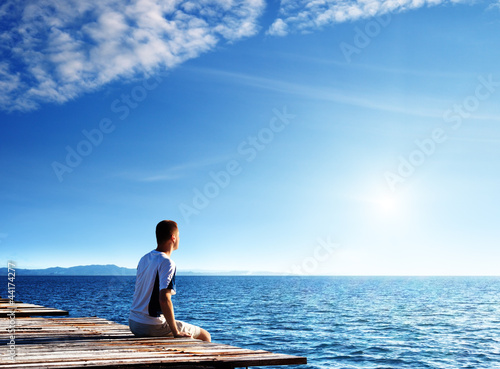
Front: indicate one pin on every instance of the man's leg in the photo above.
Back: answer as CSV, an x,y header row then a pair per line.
x,y
204,336
194,331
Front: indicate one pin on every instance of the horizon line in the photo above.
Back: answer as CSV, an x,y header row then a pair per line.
x,y
243,273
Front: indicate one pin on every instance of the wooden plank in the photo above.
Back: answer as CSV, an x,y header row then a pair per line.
x,y
25,310
151,362
164,360
7,300
31,312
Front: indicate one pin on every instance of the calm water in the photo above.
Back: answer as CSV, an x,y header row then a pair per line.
x,y
337,322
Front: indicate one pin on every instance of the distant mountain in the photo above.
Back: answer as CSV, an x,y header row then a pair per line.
x,y
109,269
113,270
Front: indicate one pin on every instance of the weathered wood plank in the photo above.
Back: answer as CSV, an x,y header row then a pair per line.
x,y
164,361
26,310
3,299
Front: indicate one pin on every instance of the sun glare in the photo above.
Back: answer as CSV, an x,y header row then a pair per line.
x,y
387,204
383,205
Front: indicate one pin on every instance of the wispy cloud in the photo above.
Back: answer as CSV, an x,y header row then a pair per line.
x,y
379,68
174,172
54,51
308,15
339,95
494,5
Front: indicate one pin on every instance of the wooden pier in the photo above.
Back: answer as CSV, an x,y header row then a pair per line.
x,y
67,342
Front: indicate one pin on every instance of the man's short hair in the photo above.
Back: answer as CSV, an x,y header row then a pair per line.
x,y
164,230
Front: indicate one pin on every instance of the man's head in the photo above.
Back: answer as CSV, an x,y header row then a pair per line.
x,y
166,232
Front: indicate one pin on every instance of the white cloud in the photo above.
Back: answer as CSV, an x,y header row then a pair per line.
x,y
54,51
307,15
494,5
278,28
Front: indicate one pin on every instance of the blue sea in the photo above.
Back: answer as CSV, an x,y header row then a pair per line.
x,y
336,322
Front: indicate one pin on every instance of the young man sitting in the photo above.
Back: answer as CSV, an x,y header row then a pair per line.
x,y
152,311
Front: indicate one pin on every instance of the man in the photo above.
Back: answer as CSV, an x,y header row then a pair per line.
x,y
152,311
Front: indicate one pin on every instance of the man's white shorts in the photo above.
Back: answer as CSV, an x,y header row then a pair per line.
x,y
161,330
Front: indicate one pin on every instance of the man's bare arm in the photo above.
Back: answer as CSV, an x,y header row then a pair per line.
x,y
167,309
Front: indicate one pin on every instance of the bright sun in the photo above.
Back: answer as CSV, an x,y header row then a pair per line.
x,y
387,204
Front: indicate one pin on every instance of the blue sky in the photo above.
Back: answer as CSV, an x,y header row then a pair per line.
x,y
344,138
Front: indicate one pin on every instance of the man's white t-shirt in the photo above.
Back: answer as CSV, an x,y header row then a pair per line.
x,y
155,272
